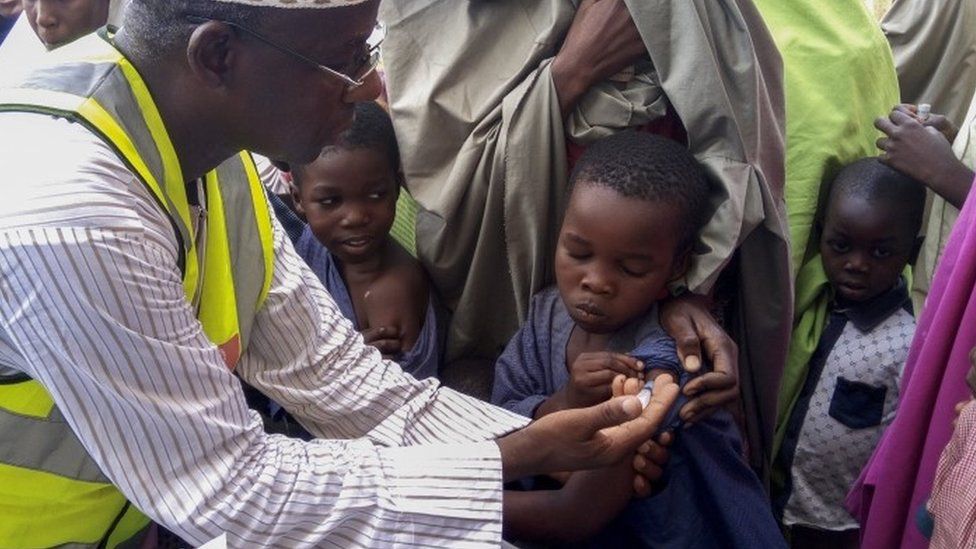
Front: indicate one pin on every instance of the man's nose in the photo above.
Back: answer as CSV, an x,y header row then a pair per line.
x,y
369,90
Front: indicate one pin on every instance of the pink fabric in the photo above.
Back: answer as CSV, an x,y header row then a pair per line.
x,y
898,478
953,503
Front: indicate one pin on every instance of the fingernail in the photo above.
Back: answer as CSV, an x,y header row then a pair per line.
x,y
692,363
640,462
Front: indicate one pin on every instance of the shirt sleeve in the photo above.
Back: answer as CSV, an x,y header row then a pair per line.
x,y
520,371
95,311
308,357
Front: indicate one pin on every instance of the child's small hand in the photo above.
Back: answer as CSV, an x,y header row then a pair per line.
x,y
385,338
592,374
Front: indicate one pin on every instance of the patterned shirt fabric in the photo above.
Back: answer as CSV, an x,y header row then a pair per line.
x,y
709,496
848,398
92,305
953,501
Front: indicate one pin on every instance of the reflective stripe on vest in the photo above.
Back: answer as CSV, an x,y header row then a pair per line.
x,y
51,491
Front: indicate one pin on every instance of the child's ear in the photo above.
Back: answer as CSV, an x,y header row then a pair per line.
x,y
681,265
916,249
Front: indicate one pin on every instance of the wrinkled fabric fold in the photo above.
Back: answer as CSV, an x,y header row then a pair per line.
x,y
484,148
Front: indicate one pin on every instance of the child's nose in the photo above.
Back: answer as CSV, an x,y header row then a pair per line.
x,y
355,217
597,282
856,262
45,15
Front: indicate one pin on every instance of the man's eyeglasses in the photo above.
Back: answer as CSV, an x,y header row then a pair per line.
x,y
365,64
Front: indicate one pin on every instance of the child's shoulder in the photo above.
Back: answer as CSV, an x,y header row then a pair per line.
x,y
404,271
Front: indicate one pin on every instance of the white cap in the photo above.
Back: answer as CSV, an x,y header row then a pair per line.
x,y
297,4
924,110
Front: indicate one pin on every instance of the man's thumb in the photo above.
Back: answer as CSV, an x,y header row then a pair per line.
x,y
613,412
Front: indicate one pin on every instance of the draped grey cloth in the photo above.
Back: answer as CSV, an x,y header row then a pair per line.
x,y
484,152
934,45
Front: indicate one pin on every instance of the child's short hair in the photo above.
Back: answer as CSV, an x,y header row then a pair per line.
x,y
871,180
649,167
372,128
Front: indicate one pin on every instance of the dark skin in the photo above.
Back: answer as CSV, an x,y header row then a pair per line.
x,y
221,93
348,197
609,274
10,8
864,247
922,149
214,97
57,22
602,41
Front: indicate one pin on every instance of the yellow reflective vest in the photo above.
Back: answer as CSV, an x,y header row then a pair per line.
x,y
51,491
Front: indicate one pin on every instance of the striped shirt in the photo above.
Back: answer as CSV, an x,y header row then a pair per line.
x,y
92,305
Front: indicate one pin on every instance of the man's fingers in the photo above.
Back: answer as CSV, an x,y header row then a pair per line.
x,y
611,413
647,468
708,402
662,399
654,453
617,386
632,386
711,381
907,108
885,125
899,118
642,488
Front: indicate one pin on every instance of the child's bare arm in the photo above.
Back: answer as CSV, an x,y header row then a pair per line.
x,y
398,301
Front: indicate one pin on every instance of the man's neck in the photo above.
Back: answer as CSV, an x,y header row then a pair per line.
x,y
194,129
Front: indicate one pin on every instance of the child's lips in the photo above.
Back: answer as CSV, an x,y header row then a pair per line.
x,y
357,241
590,311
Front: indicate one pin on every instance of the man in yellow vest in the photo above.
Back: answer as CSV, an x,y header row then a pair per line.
x,y
140,268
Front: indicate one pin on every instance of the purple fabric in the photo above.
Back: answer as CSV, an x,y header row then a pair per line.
x,y
898,478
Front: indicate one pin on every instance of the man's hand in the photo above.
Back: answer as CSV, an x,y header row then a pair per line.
x,y
585,438
651,456
385,338
601,42
695,332
937,121
923,152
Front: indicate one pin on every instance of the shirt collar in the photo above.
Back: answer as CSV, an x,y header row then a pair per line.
x,y
867,315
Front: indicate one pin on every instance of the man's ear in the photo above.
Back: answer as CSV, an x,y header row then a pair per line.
x,y
210,53
916,249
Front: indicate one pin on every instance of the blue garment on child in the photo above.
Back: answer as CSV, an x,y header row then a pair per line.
x,y
709,497
660,353
423,359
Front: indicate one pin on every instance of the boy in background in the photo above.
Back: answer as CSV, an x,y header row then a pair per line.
x,y
850,394
637,204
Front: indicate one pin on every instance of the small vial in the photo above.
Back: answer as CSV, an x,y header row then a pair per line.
x,y
924,110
